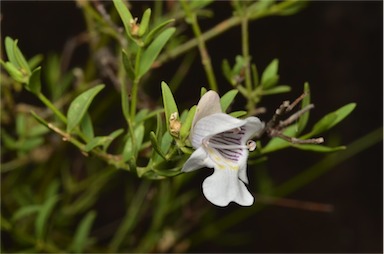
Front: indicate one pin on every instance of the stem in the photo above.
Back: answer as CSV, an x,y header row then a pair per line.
x,y
245,49
205,59
52,107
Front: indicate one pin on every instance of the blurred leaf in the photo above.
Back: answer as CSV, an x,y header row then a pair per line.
x,y
199,4
318,148
155,145
128,65
79,106
112,137
43,216
81,236
226,69
30,144
129,151
203,91
144,22
227,99
35,61
156,30
170,106
238,114
34,83
331,119
305,102
166,142
125,15
86,126
14,72
269,77
294,7
21,125
255,75
25,211
150,54
9,49
20,59
104,141
276,90
186,125
260,6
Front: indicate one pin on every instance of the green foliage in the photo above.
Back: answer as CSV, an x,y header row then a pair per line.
x,y
80,105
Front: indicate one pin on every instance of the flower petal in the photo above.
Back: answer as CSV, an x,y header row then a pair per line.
x,y
198,159
209,104
224,186
252,126
214,124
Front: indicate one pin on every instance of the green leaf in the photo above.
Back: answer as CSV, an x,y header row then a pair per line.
x,y
318,148
203,91
199,4
35,61
277,143
331,119
87,126
9,49
144,22
268,78
34,83
227,99
156,30
128,65
43,216
276,90
79,106
187,124
226,69
20,59
25,211
104,141
303,120
82,232
131,151
14,72
155,145
238,113
94,142
150,54
125,15
170,106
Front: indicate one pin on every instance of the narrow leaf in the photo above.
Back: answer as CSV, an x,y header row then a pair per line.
x,y
156,30
43,216
227,99
305,102
34,84
270,72
9,42
170,106
82,232
25,211
318,148
144,22
125,15
277,90
79,106
87,126
186,125
155,145
331,119
150,54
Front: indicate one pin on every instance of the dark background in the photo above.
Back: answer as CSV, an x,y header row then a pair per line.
x,y
337,47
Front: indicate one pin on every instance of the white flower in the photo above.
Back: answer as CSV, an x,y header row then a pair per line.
x,y
222,142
